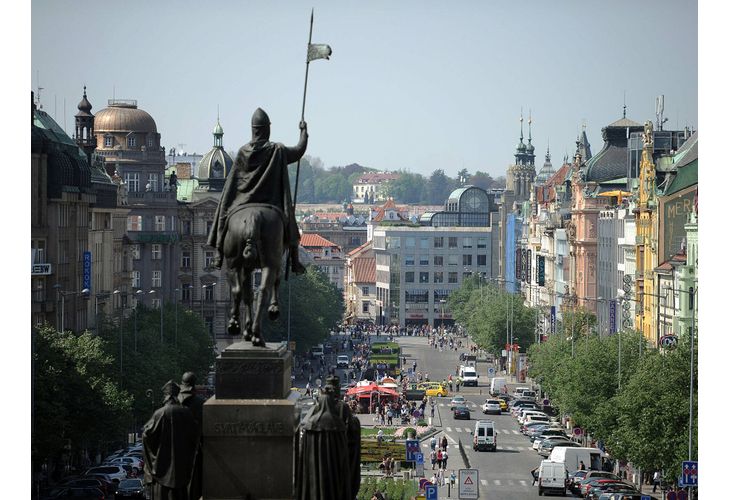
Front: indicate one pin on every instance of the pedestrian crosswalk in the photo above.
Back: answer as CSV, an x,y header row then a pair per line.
x,y
506,482
469,431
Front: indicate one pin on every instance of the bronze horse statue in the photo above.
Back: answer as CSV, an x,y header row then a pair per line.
x,y
254,240
254,223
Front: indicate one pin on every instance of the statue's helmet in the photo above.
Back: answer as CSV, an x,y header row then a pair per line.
x,y
260,118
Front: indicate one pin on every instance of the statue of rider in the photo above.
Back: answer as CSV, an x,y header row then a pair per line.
x,y
261,176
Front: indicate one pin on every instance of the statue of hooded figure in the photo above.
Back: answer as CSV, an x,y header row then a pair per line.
x,y
260,175
170,439
328,449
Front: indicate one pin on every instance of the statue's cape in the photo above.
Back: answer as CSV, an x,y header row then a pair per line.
x,y
259,175
328,447
170,439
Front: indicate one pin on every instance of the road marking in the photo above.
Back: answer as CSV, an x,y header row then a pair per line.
x,y
510,482
497,482
458,429
515,432
448,429
523,482
484,482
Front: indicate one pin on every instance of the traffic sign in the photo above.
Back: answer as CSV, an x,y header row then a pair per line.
x,y
491,371
432,492
412,447
668,341
689,473
645,497
423,482
546,401
419,458
577,431
468,483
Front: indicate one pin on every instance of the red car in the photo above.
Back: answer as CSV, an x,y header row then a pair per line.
x,y
585,486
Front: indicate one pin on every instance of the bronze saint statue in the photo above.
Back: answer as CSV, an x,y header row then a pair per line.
x,y
170,439
254,223
328,449
260,175
190,399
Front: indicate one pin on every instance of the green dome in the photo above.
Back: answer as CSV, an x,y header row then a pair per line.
x,y
218,130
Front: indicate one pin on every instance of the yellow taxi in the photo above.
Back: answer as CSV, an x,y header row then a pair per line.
x,y
434,389
502,404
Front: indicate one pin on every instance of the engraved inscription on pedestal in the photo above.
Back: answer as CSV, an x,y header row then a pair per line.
x,y
244,372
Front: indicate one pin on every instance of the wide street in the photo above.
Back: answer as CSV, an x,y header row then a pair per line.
x,y
503,474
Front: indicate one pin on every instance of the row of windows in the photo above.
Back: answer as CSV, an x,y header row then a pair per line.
x,y
438,277
132,180
131,141
135,223
425,243
451,259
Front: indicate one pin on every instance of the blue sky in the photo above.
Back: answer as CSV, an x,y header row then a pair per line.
x,y
413,85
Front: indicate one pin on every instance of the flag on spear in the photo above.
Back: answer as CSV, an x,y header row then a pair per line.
x,y
318,51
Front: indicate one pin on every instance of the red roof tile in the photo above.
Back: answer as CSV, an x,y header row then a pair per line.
x,y
363,269
361,248
315,240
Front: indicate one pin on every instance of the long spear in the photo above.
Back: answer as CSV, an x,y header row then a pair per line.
x,y
317,51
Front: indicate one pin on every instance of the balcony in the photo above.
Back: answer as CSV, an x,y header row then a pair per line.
x,y
153,236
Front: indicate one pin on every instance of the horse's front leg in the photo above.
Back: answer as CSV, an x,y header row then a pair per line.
x,y
234,325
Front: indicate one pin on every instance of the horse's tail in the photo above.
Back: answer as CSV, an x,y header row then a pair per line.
x,y
251,235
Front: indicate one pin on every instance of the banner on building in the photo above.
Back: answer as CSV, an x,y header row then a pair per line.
x,y
87,271
553,319
528,265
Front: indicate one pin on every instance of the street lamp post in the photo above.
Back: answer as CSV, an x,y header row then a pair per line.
x,y
202,297
139,294
161,320
121,341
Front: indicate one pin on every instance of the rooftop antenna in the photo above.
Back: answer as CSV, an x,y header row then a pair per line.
x,y
64,114
38,94
624,104
660,120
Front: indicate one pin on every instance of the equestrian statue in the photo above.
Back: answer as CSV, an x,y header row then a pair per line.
x,y
254,225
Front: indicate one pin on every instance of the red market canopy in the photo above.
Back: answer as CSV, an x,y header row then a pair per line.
x,y
364,391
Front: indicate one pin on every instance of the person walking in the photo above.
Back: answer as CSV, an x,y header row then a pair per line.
x,y
657,480
433,459
433,443
439,459
444,442
444,459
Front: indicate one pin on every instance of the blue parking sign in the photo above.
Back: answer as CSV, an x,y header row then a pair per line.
x,y
432,492
689,473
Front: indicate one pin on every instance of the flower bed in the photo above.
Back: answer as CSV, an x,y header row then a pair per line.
x,y
420,431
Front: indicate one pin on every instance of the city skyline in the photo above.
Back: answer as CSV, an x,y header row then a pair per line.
x,y
399,76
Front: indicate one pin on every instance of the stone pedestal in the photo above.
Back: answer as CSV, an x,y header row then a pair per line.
x,y
248,427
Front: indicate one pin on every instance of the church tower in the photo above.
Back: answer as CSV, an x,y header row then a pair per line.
x,y
521,175
84,135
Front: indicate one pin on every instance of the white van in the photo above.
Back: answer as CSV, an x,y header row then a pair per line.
x,y
552,477
498,386
468,375
517,393
485,436
593,458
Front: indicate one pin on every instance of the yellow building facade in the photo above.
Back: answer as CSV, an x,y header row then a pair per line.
x,y
647,242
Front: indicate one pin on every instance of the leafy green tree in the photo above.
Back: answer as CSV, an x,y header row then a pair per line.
x,y
482,180
317,307
332,188
653,411
144,364
77,402
484,311
439,187
408,188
